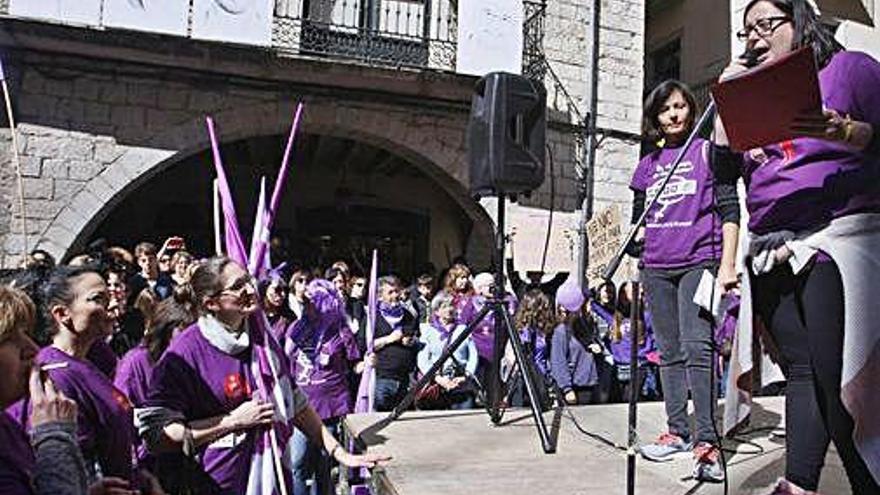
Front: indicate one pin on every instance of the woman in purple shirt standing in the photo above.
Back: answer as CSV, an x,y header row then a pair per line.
x,y
682,239
814,218
203,399
322,352
535,320
76,300
133,375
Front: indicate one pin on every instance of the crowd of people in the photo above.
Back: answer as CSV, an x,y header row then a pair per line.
x,y
151,344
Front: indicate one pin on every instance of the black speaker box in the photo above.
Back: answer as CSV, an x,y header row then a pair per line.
x,y
505,135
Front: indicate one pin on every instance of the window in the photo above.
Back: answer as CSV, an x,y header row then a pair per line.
x,y
664,63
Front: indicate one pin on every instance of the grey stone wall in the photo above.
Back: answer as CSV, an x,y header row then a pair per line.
x,y
88,135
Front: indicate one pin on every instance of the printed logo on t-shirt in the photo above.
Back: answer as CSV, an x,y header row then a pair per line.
x,y
787,150
758,155
679,188
236,387
304,369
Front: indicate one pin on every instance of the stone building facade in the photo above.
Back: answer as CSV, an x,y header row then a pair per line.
x,y
103,114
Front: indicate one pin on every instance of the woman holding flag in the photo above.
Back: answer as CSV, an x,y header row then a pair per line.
x,y
208,400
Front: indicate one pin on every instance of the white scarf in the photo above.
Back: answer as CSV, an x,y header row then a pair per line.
x,y
221,337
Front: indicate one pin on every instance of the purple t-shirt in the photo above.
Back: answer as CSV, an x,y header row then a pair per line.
x,y
683,228
320,363
105,423
133,375
200,381
620,349
484,334
103,357
804,183
16,458
539,352
132,378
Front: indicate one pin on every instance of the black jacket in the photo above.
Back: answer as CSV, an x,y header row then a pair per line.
x,y
395,360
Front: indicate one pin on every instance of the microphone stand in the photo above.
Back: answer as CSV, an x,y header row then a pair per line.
x,y
635,304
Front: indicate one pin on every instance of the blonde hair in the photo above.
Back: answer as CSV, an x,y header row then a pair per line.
x,y
17,311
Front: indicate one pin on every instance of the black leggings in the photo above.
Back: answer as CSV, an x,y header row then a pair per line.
x,y
804,314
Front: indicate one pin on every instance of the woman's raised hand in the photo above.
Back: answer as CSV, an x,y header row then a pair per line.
x,y
48,404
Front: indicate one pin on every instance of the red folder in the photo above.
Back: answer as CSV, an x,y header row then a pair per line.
x,y
758,106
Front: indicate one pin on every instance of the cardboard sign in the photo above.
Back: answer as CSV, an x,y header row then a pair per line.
x,y
605,233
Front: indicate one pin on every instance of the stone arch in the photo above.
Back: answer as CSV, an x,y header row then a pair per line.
x,y
433,141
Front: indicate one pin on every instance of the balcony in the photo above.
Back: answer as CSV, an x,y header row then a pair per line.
x,y
413,33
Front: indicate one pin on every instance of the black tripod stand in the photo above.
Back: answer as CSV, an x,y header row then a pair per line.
x,y
503,331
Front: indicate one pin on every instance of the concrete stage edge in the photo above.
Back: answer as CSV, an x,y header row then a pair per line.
x,y
461,452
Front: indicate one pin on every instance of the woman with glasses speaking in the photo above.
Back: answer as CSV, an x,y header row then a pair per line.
x,y
814,224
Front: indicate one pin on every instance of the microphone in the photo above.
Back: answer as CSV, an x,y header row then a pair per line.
x,y
750,57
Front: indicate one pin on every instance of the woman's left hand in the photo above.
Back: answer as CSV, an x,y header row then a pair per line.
x,y
367,460
829,125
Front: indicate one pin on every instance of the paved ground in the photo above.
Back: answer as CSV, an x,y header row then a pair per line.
x,y
449,453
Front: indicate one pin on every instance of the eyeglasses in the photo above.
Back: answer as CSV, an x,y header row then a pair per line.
x,y
763,27
238,287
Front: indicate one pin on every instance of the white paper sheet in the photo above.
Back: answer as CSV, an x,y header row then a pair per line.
x,y
490,36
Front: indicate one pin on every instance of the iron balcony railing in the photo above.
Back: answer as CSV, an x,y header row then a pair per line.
x,y
420,33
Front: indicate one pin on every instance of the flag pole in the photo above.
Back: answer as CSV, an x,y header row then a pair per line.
x,y
218,238
279,185
16,159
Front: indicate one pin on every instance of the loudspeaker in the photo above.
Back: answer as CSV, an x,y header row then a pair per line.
x,y
505,135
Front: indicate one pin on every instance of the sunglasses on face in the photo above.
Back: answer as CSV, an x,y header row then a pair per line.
x,y
238,287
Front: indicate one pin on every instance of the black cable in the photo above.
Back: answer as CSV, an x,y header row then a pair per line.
x,y
552,204
595,436
560,398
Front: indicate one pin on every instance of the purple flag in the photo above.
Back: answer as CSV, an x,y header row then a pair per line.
x,y
261,234
232,238
269,217
368,378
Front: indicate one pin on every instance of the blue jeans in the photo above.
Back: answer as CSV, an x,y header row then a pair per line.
x,y
388,393
312,463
